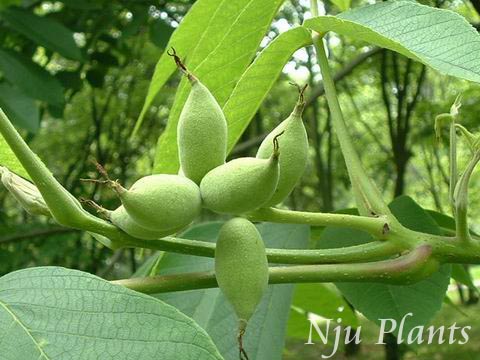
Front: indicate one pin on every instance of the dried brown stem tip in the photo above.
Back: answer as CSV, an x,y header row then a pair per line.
x,y
301,91
241,351
276,146
173,53
101,170
93,205
114,184
96,181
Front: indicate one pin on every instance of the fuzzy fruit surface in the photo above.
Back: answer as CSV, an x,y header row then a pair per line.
x,y
241,266
240,186
162,202
202,133
293,161
122,220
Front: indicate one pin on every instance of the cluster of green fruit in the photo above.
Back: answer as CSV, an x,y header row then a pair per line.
x,y
162,204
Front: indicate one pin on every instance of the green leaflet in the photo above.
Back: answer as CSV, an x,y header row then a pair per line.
x,y
218,60
44,31
441,39
20,108
47,311
9,160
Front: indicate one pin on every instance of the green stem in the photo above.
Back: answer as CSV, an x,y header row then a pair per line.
x,y
461,200
50,189
365,252
453,164
372,251
414,266
407,269
63,206
169,283
445,249
450,250
450,232
174,244
368,197
378,226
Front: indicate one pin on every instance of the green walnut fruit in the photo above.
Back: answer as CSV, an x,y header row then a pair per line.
x,y
202,133
122,220
241,185
241,267
294,145
161,202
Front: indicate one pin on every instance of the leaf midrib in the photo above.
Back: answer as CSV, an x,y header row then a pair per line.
x,y
27,331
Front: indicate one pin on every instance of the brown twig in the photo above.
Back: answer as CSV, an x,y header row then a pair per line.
x,y
99,209
301,91
276,146
114,184
173,53
241,350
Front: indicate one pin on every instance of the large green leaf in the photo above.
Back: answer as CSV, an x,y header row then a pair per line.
x,y
439,38
196,24
258,79
56,313
382,301
43,31
9,160
30,77
446,222
265,333
20,108
218,59
321,300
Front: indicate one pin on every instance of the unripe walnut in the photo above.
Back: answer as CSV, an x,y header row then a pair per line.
x,y
294,145
202,133
241,266
161,202
241,185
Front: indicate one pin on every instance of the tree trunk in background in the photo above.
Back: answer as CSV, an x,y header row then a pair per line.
x,y
401,86
461,295
321,136
391,348
473,298
400,95
401,168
